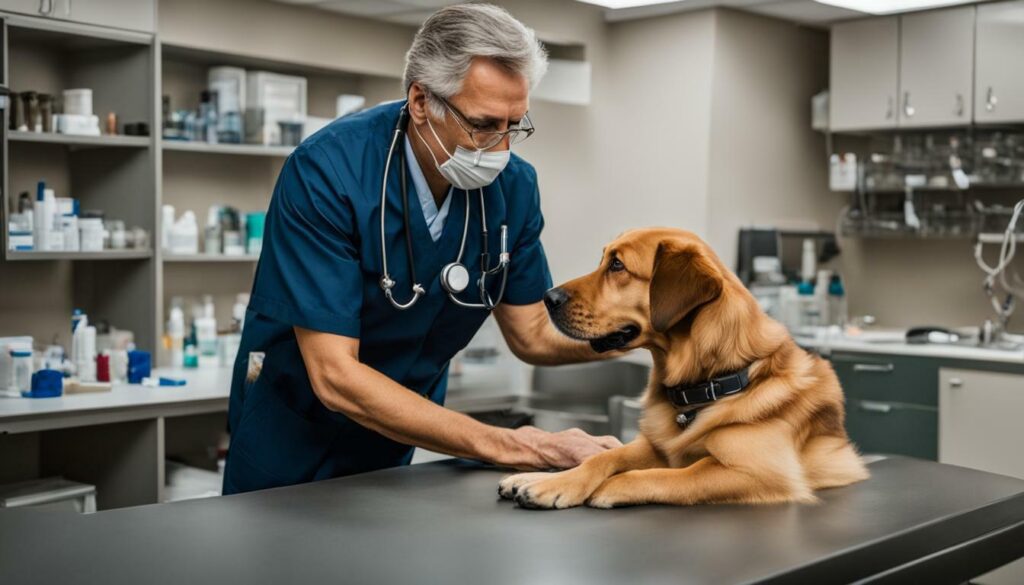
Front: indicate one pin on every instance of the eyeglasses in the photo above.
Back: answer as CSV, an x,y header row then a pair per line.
x,y
487,139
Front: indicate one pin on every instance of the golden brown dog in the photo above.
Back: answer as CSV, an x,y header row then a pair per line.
x,y
777,441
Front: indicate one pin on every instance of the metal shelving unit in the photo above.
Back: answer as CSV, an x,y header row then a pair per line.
x,y
115,174
241,149
104,255
75,140
208,258
131,177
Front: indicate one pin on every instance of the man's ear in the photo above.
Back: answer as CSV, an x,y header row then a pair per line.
x,y
417,103
683,280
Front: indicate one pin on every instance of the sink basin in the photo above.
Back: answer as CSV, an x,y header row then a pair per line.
x,y
574,396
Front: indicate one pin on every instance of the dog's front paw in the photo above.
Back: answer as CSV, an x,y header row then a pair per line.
x,y
559,491
509,485
613,493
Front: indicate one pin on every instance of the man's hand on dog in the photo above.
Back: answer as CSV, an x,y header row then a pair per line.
x,y
564,449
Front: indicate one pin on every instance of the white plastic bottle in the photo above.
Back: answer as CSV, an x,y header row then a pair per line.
x,y
54,235
41,222
206,335
176,333
238,311
83,349
69,225
166,227
185,235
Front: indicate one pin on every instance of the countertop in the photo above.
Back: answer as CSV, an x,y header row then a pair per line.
x,y
914,521
206,390
951,352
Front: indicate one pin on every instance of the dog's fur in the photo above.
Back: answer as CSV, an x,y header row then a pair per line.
x,y
778,441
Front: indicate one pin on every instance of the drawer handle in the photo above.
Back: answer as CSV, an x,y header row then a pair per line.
x,y
880,407
907,108
879,368
956,382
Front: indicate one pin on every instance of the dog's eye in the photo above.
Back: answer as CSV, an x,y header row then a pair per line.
x,y
616,265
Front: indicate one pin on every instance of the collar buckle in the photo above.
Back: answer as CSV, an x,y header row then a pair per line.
x,y
711,389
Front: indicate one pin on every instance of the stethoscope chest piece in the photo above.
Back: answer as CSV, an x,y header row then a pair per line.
x,y
454,278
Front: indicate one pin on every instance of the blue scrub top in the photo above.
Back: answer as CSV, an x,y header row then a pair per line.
x,y
319,269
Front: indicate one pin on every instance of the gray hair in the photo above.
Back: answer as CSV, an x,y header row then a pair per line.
x,y
446,44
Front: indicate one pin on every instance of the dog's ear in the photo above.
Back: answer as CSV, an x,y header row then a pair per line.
x,y
683,279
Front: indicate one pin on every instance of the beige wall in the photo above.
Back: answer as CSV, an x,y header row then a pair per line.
x,y
766,165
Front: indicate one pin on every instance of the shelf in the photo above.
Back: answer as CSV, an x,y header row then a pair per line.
x,y
997,237
207,57
208,258
75,140
104,255
244,149
73,35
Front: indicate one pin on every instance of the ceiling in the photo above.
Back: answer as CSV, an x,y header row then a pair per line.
x,y
413,12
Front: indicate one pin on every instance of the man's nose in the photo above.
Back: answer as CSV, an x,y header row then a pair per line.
x,y
555,298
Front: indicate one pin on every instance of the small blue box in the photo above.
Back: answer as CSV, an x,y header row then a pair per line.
x,y
45,384
140,365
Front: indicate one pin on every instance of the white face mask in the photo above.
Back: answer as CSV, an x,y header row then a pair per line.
x,y
468,169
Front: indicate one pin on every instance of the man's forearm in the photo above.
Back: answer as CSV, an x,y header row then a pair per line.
x,y
380,404
551,348
534,339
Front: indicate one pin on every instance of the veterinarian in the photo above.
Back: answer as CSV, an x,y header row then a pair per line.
x,y
356,329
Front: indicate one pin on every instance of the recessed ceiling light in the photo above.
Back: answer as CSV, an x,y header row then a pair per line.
x,y
890,6
625,3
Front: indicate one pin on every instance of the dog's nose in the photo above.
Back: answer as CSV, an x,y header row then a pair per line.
x,y
555,298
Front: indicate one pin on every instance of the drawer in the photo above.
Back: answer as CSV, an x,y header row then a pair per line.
x,y
888,378
898,429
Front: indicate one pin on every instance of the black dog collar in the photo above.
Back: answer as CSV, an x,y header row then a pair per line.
x,y
690,398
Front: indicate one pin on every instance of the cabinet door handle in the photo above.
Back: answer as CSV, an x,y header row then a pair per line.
x,y
959,105
877,368
888,109
46,7
991,100
907,108
875,406
956,382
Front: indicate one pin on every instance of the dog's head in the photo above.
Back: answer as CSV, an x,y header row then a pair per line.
x,y
650,281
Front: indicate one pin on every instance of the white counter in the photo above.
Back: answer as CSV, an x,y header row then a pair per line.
x,y
206,390
953,352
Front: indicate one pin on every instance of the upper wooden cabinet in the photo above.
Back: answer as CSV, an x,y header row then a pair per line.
x,y
936,68
864,74
999,83
910,71
136,15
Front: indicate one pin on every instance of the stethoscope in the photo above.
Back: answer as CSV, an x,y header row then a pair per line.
x,y
455,275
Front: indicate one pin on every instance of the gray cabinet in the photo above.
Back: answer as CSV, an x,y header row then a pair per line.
x,y
137,15
47,8
999,85
891,403
864,74
936,67
980,420
980,427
